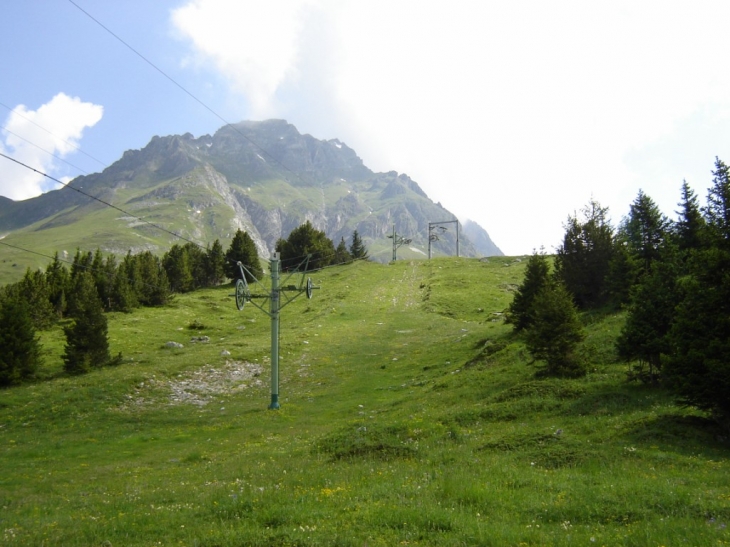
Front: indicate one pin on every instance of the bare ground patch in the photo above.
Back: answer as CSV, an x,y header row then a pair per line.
x,y
196,387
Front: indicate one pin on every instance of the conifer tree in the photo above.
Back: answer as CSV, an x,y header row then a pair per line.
x,y
342,255
645,335
123,296
698,370
582,261
153,284
243,250
82,262
357,248
306,240
178,270
555,332
125,292
690,227
214,264
645,229
58,281
196,262
623,272
102,282
87,344
34,289
536,277
20,350
717,210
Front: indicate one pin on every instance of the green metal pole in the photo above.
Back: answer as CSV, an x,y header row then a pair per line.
x,y
274,332
394,245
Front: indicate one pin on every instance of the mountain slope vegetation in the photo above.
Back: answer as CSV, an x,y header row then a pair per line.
x,y
411,414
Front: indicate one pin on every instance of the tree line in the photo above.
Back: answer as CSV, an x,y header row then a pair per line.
x,y
95,284
672,278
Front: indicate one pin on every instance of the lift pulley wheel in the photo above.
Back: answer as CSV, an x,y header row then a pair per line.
x,y
243,294
310,286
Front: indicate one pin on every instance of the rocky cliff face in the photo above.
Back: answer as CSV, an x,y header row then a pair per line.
x,y
481,240
263,177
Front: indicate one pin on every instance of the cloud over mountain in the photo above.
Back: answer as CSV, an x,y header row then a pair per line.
x,y
40,139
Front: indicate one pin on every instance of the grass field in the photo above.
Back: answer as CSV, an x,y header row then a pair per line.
x,y
410,415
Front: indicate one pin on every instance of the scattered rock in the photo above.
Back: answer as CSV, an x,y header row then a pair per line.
x,y
175,345
200,339
225,353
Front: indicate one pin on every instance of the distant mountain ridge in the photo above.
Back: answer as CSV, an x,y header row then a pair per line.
x,y
263,177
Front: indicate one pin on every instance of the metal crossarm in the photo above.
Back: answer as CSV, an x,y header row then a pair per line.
x,y
243,294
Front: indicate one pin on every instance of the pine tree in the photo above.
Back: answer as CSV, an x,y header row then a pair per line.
x,y
690,227
536,277
34,289
178,270
103,272
123,296
152,285
20,350
342,255
645,230
302,241
555,332
717,211
645,335
196,262
58,281
214,264
87,344
698,370
582,261
81,263
243,250
357,248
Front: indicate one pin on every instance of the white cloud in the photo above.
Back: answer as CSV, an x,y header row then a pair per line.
x,y
254,44
510,113
29,136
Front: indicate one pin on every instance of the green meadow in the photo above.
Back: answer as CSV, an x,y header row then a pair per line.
x,y
410,415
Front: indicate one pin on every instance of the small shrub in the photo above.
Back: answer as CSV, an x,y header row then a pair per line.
x,y
196,325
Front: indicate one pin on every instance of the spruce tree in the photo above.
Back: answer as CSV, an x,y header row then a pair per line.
x,y
717,211
302,241
646,229
34,289
178,270
690,228
196,262
58,281
357,248
555,332
87,344
20,350
623,272
243,250
519,312
214,264
582,261
645,335
342,255
698,370
153,286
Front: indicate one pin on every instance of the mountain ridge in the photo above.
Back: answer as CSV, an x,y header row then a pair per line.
x,y
264,177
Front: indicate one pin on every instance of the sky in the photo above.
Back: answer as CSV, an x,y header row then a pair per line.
x,y
512,114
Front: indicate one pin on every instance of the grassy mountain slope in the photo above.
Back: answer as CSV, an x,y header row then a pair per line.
x,y
410,415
